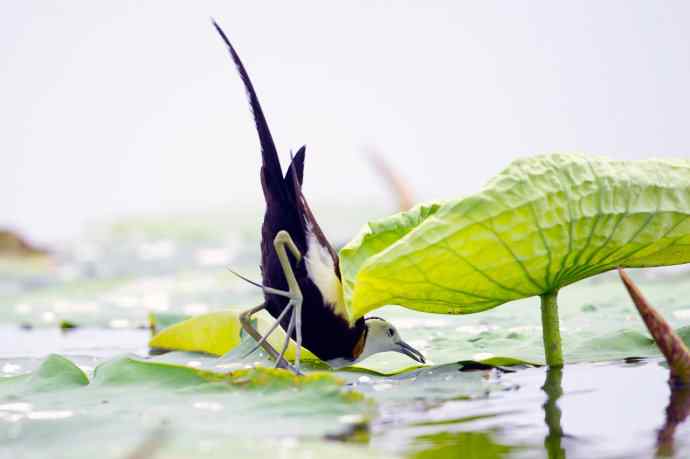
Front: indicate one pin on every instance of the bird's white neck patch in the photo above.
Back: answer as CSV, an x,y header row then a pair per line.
x,y
321,270
377,340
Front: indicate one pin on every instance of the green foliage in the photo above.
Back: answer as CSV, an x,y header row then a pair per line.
x,y
541,224
62,413
215,333
55,373
470,445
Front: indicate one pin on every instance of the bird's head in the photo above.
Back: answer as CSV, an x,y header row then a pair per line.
x,y
382,336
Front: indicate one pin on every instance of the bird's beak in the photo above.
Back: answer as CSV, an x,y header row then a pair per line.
x,y
411,352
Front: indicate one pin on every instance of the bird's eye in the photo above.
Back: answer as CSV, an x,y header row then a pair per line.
x,y
391,332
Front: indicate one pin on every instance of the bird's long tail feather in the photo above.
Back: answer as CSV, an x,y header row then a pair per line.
x,y
271,172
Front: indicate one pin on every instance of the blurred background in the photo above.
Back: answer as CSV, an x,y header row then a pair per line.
x,y
129,178
111,109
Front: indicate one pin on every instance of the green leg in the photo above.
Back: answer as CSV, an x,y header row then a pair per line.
x,y
262,342
281,243
245,320
286,342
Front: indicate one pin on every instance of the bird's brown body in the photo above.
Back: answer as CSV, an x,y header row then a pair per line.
x,y
324,332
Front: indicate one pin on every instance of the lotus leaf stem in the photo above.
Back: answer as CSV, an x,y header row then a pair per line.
x,y
550,329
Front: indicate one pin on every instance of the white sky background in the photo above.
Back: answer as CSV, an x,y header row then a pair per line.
x,y
114,108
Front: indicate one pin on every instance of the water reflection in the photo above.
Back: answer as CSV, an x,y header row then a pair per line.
x,y
552,413
676,412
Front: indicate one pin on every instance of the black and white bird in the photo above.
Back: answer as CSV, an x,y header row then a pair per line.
x,y
300,273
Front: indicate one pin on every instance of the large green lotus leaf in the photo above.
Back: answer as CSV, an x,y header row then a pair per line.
x,y
192,412
541,224
53,412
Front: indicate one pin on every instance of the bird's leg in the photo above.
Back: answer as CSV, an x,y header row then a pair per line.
x,y
294,293
268,333
297,313
280,242
245,320
286,343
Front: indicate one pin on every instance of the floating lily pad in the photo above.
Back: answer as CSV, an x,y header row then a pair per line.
x,y
129,399
54,374
214,333
218,333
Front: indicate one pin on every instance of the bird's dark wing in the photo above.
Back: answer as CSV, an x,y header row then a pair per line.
x,y
294,179
297,164
297,168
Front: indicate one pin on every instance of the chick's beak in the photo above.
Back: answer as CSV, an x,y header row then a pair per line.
x,y
411,352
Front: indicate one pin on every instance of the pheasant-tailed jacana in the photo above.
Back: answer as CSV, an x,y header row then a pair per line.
x,y
299,267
